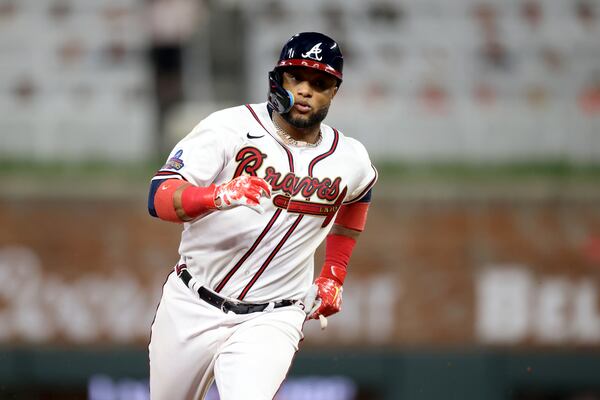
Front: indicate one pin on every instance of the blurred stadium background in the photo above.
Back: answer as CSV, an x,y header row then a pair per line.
x,y
479,274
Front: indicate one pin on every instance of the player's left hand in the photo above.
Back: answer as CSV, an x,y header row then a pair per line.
x,y
327,298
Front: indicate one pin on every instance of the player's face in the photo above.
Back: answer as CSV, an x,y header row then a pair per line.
x,y
313,91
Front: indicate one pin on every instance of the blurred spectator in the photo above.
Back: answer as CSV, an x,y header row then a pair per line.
x,y
552,59
589,97
114,13
485,15
116,51
24,90
71,51
334,15
274,12
434,97
60,10
586,14
495,55
532,13
172,23
382,13
7,9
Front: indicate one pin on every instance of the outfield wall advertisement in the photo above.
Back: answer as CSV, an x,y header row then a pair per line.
x,y
442,273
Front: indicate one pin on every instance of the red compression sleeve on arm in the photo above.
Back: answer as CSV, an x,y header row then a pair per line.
x,y
179,201
197,200
338,250
163,199
353,216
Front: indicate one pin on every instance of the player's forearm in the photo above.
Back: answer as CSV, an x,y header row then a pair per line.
x,y
179,201
338,250
340,243
349,223
343,231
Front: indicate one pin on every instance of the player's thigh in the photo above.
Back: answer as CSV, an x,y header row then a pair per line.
x,y
181,359
254,361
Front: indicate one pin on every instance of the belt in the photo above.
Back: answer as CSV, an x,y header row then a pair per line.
x,y
226,305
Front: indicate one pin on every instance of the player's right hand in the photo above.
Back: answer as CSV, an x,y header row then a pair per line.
x,y
242,191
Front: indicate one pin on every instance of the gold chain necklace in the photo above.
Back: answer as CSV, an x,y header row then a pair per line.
x,y
287,139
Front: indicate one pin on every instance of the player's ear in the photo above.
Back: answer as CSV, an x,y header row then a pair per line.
x,y
335,89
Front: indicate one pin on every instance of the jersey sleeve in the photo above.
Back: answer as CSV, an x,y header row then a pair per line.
x,y
366,174
201,155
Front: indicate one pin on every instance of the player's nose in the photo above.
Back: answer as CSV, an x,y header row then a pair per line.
x,y
304,88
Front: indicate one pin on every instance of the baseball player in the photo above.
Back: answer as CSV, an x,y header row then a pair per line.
x,y
257,187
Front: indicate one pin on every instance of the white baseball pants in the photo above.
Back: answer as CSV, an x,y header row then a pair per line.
x,y
193,343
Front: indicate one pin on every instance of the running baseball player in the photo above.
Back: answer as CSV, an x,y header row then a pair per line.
x,y
257,187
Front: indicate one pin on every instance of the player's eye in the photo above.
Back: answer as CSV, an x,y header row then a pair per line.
x,y
323,84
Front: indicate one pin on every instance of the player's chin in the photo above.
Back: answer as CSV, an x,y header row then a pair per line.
x,y
306,120
301,120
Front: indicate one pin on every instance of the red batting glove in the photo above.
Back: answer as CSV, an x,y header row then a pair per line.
x,y
242,191
325,296
329,292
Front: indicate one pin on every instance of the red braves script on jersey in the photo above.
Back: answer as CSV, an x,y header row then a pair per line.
x,y
223,250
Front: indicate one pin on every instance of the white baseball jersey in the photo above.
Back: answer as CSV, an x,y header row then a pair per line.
x,y
254,257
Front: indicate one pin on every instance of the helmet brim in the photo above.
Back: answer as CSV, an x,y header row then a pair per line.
x,y
295,62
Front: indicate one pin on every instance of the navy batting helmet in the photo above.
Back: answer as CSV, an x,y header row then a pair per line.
x,y
309,50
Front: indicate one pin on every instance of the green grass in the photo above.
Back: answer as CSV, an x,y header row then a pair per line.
x,y
89,169
388,170
453,171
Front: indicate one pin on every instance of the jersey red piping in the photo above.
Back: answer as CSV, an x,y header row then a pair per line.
x,y
366,189
167,173
326,154
249,252
270,258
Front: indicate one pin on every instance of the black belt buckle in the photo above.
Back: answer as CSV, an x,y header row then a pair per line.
x,y
226,306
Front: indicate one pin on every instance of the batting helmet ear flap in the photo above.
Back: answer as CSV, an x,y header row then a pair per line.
x,y
280,99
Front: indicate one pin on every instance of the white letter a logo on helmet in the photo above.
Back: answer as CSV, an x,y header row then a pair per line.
x,y
314,52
